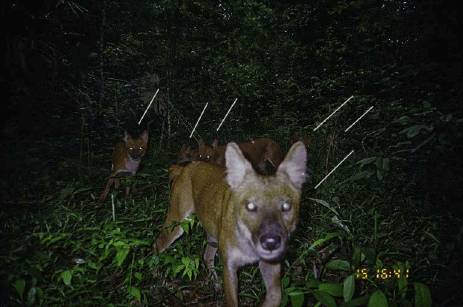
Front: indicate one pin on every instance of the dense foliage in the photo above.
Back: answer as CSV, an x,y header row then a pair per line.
x,y
77,73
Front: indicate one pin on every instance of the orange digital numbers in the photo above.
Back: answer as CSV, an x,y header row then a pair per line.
x,y
381,273
362,273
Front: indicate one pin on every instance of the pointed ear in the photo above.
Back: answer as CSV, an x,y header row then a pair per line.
x,y
306,140
144,136
127,136
237,165
201,145
294,138
182,149
294,164
189,150
215,143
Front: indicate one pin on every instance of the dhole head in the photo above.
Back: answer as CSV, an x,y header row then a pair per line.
x,y
267,206
136,147
187,154
205,152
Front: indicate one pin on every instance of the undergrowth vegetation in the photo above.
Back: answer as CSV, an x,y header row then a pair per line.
x,y
361,239
383,229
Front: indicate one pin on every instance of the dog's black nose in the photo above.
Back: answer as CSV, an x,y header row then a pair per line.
x,y
270,241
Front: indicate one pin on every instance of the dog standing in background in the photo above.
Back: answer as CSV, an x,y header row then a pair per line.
x,y
126,160
264,154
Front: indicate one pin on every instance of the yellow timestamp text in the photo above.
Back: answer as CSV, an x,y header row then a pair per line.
x,y
381,273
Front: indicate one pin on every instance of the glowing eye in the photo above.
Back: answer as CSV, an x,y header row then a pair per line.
x,y
141,148
207,157
130,148
251,207
286,206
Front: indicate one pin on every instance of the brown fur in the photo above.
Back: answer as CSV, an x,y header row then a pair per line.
x,y
205,152
126,160
244,214
186,155
264,154
174,171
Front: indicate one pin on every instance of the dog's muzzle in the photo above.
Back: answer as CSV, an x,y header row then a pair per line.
x,y
270,241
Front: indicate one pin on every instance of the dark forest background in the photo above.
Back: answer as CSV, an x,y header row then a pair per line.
x,y
75,74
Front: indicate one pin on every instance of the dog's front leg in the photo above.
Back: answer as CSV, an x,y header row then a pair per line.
x,y
106,190
271,275
230,280
209,256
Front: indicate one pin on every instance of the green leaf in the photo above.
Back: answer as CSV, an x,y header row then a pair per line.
x,y
414,130
386,164
422,295
377,299
186,261
285,282
94,265
185,226
333,289
338,265
121,255
356,257
325,204
178,268
402,282
329,236
39,295
348,288
340,224
120,244
297,300
312,283
20,285
284,300
31,296
379,163
405,303
370,255
138,275
402,120
66,276
360,175
135,292
366,161
379,175
325,298
359,301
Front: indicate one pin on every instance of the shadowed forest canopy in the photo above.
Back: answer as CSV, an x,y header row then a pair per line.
x,y
76,74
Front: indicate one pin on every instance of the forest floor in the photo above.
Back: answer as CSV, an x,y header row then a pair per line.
x,y
59,247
